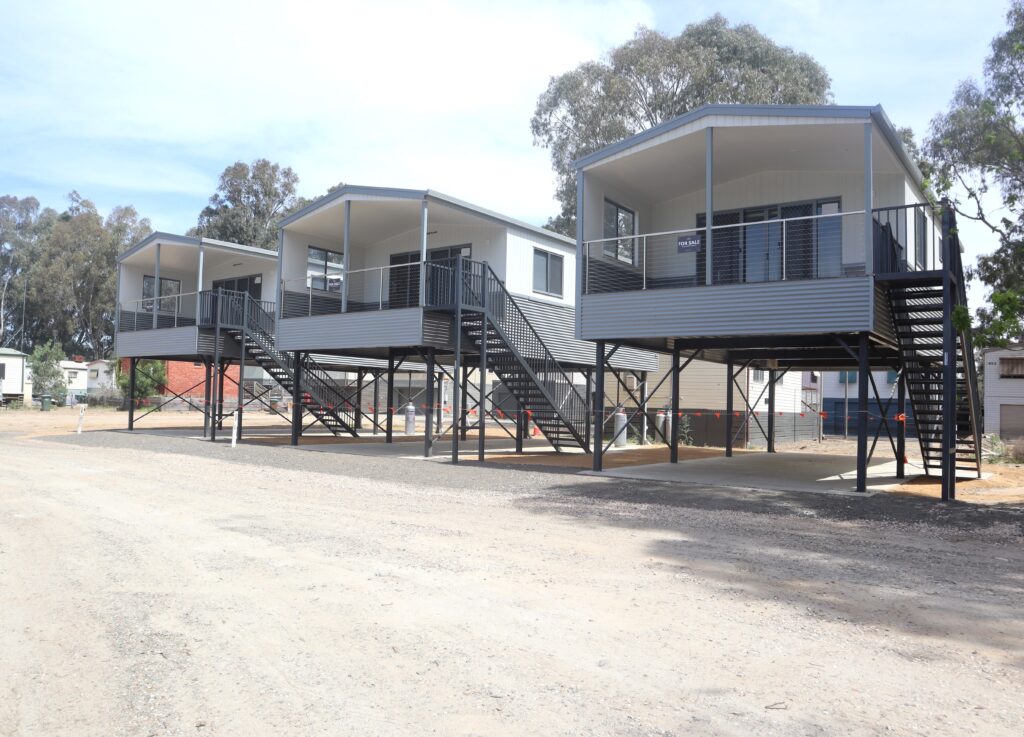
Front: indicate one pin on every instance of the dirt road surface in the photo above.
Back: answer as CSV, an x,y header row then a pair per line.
x,y
165,586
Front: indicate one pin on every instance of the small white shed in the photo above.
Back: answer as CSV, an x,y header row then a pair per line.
x,y
1004,391
15,376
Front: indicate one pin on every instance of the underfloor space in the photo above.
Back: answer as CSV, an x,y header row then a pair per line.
x,y
815,472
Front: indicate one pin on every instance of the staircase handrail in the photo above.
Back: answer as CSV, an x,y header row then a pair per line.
x,y
313,373
542,361
955,262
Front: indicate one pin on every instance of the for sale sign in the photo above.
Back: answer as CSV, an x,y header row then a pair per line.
x,y
688,243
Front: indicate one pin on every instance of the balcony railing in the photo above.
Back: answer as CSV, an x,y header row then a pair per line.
x,y
179,310
157,312
370,290
784,249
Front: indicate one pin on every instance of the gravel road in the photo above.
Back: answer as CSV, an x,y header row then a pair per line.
x,y
165,586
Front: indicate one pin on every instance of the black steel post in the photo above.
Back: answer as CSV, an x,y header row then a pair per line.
x,y
439,406
643,408
297,399
901,425
948,361
376,400
520,427
220,393
457,367
428,425
241,367
731,380
589,374
464,389
771,410
863,379
132,363
207,374
389,420
218,367
360,375
485,331
673,423
598,406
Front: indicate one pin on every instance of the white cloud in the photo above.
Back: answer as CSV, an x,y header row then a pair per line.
x,y
404,93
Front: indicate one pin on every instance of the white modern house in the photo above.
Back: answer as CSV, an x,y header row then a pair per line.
x,y
1004,391
783,238
213,303
15,376
406,275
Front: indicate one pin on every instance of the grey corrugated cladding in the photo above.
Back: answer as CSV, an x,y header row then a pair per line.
x,y
767,308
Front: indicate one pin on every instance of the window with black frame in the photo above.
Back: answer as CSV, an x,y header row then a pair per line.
x,y
170,290
325,269
548,271
619,222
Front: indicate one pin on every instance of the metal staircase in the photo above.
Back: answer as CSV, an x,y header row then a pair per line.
x,y
250,323
487,312
922,304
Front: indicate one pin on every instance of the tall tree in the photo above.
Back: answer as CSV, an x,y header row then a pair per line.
x,y
63,268
248,203
978,151
654,78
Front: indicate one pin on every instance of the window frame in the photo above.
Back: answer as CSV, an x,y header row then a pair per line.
x,y
1008,360
613,248
326,276
548,256
154,298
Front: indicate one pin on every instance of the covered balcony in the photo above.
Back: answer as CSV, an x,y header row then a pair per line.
x,y
807,206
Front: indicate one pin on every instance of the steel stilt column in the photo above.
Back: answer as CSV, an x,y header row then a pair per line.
x,y
901,425
863,380
484,338
464,416
428,429
643,408
389,421
599,406
297,399
132,363
772,378
207,381
673,424
520,427
457,368
220,393
360,376
731,381
949,350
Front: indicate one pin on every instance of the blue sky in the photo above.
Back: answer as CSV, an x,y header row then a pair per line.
x,y
145,104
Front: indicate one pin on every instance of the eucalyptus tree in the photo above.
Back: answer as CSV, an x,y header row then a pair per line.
x,y
653,78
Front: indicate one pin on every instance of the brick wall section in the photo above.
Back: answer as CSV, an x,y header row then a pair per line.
x,y
184,374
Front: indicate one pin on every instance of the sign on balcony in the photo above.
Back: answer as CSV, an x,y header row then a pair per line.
x,y
688,243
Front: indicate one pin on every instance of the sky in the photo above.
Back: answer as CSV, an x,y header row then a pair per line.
x,y
145,103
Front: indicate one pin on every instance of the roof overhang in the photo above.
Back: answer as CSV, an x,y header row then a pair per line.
x,y
359,193
187,241
737,115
